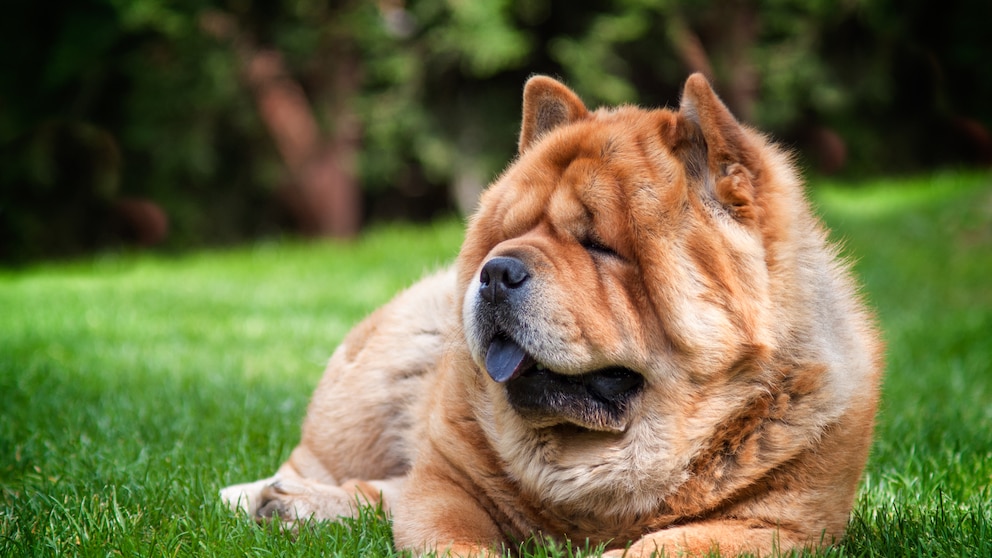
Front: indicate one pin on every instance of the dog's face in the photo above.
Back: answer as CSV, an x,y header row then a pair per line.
x,y
616,292
555,310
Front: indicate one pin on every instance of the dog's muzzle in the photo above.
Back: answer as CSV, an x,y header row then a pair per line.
x,y
598,400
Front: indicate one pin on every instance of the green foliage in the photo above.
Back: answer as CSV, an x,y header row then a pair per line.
x,y
134,387
103,99
483,35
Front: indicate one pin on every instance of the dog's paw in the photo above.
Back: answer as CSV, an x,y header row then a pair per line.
x,y
292,500
284,500
245,497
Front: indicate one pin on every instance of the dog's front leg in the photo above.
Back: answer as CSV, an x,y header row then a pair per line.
x,y
436,513
723,537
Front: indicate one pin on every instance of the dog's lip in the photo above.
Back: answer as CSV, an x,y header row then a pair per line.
x,y
599,400
603,383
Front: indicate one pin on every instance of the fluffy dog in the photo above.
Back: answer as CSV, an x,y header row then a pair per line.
x,y
646,342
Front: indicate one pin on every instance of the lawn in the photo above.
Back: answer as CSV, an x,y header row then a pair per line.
x,y
133,387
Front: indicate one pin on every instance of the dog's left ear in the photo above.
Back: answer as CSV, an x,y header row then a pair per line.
x,y
723,153
548,104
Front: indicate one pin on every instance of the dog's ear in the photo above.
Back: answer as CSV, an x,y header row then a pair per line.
x,y
548,104
715,148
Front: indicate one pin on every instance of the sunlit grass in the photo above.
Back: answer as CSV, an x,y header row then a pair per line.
x,y
133,387
924,250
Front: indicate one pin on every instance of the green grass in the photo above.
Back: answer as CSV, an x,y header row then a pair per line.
x,y
133,387
924,251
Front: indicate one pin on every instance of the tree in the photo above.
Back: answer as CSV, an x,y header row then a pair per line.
x,y
323,192
239,119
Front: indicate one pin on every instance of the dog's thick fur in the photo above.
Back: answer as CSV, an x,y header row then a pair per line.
x,y
646,342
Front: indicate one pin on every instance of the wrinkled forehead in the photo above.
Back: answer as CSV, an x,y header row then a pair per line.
x,y
599,168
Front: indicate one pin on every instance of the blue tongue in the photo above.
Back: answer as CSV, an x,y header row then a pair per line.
x,y
504,359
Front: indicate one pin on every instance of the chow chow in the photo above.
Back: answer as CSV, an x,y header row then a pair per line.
x,y
646,342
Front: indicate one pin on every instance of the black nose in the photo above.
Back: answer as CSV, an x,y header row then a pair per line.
x,y
500,276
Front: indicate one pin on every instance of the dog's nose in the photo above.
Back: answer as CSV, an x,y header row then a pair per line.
x,y
500,276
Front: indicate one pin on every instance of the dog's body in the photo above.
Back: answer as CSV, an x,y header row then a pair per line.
x,y
646,340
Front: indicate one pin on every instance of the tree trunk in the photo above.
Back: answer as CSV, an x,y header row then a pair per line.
x,y
324,195
725,61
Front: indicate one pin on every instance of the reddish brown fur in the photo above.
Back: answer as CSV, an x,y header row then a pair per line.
x,y
708,276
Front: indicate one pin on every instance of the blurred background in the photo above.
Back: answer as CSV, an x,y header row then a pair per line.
x,y
184,123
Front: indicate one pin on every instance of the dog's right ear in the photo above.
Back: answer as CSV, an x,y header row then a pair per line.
x,y
548,104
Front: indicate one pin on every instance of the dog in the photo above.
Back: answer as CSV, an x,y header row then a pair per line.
x,y
646,342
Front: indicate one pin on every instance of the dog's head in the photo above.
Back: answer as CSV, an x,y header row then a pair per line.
x,y
621,251
652,311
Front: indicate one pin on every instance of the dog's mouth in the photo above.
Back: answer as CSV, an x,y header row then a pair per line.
x,y
597,400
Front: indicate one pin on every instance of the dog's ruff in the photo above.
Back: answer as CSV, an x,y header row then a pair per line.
x,y
646,342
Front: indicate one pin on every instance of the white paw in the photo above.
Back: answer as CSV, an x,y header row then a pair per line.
x,y
286,500
246,497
